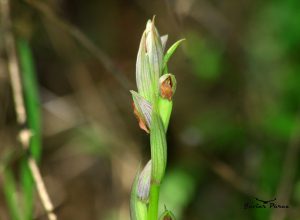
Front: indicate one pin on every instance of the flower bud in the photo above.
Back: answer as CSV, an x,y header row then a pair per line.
x,y
167,83
167,89
154,49
143,185
143,73
142,110
138,209
149,62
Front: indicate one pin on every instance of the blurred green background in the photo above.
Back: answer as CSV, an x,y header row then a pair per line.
x,y
235,130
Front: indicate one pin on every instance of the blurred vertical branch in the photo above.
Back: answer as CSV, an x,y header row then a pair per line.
x,y
25,135
31,96
289,170
10,193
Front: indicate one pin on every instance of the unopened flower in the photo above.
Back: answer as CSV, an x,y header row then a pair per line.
x,y
143,185
154,49
149,62
167,84
138,208
142,109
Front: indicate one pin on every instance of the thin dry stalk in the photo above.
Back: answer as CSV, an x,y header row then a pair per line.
x,y
24,134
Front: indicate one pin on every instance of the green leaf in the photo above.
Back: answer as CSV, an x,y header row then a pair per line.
x,y
165,109
10,191
158,148
170,52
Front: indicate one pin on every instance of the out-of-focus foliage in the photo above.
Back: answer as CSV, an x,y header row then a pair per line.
x,y
206,58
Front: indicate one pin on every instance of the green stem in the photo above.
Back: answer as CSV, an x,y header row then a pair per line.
x,y
153,202
10,191
31,98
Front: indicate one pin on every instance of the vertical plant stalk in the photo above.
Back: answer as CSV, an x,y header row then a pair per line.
x,y
152,107
159,160
30,93
25,135
9,189
31,96
289,171
153,202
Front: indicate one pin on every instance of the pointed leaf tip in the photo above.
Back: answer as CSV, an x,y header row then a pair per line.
x,y
170,52
167,215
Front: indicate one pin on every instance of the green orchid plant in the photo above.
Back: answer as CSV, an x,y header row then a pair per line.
x,y
152,106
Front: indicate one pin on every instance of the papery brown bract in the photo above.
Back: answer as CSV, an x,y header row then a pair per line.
x,y
141,121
